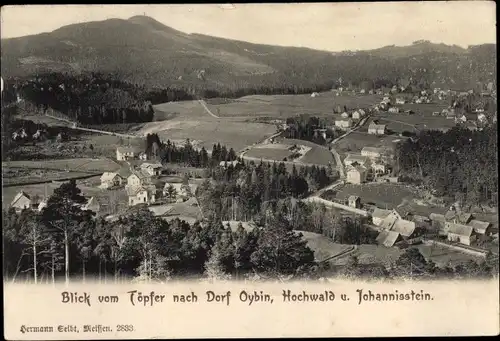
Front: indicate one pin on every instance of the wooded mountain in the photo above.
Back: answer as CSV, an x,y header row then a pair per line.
x,y
143,51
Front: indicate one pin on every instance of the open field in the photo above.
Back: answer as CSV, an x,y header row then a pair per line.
x,y
405,122
313,153
355,141
195,123
322,246
77,164
17,176
383,195
283,106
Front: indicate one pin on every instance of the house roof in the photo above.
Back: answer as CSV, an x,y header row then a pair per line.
x,y
380,213
437,217
387,238
389,221
108,176
479,226
135,190
460,229
462,218
376,126
404,227
141,175
353,198
356,158
151,165
19,196
357,168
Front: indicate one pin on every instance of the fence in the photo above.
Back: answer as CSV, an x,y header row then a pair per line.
x,y
339,206
474,251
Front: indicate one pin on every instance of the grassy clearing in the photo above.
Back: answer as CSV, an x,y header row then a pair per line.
x,y
384,195
322,246
277,154
17,176
75,165
354,142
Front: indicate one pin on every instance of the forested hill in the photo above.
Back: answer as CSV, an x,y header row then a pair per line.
x,y
143,51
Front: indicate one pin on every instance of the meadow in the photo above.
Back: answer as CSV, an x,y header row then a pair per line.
x,y
383,195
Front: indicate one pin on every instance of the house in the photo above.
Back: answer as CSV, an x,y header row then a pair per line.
x,y
356,158
482,118
394,110
400,101
356,115
372,152
343,124
314,94
137,179
404,227
125,153
453,216
21,201
376,129
461,119
471,125
480,227
460,233
143,156
110,180
354,201
151,169
362,91
388,238
41,205
379,215
92,204
356,174
141,195
344,115
370,92
389,221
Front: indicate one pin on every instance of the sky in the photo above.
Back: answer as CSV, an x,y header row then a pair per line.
x,y
323,26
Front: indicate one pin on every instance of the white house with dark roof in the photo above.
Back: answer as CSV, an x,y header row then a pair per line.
x,y
343,124
376,129
152,169
372,152
141,195
21,201
480,227
110,180
126,153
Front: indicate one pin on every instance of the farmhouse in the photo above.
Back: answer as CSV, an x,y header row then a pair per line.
x,y
357,114
460,233
343,124
376,129
138,179
394,110
141,195
21,201
125,153
110,180
379,168
480,227
356,174
344,115
400,101
356,158
379,215
372,152
151,169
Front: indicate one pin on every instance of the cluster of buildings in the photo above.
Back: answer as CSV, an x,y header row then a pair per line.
x,y
393,227
23,201
347,119
371,163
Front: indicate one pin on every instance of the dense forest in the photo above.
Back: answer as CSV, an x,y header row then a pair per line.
x,y
460,164
45,246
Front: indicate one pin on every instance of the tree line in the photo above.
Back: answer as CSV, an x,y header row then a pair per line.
x,y
63,240
460,163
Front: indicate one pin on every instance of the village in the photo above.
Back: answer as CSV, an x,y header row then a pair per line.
x,y
143,181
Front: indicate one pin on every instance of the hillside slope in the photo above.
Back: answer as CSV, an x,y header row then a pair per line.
x,y
144,51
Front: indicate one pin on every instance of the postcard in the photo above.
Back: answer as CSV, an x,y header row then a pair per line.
x,y
249,170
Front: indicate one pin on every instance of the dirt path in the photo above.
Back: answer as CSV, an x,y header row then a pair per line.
x,y
202,102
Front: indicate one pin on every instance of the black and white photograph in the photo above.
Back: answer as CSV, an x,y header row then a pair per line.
x,y
249,142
